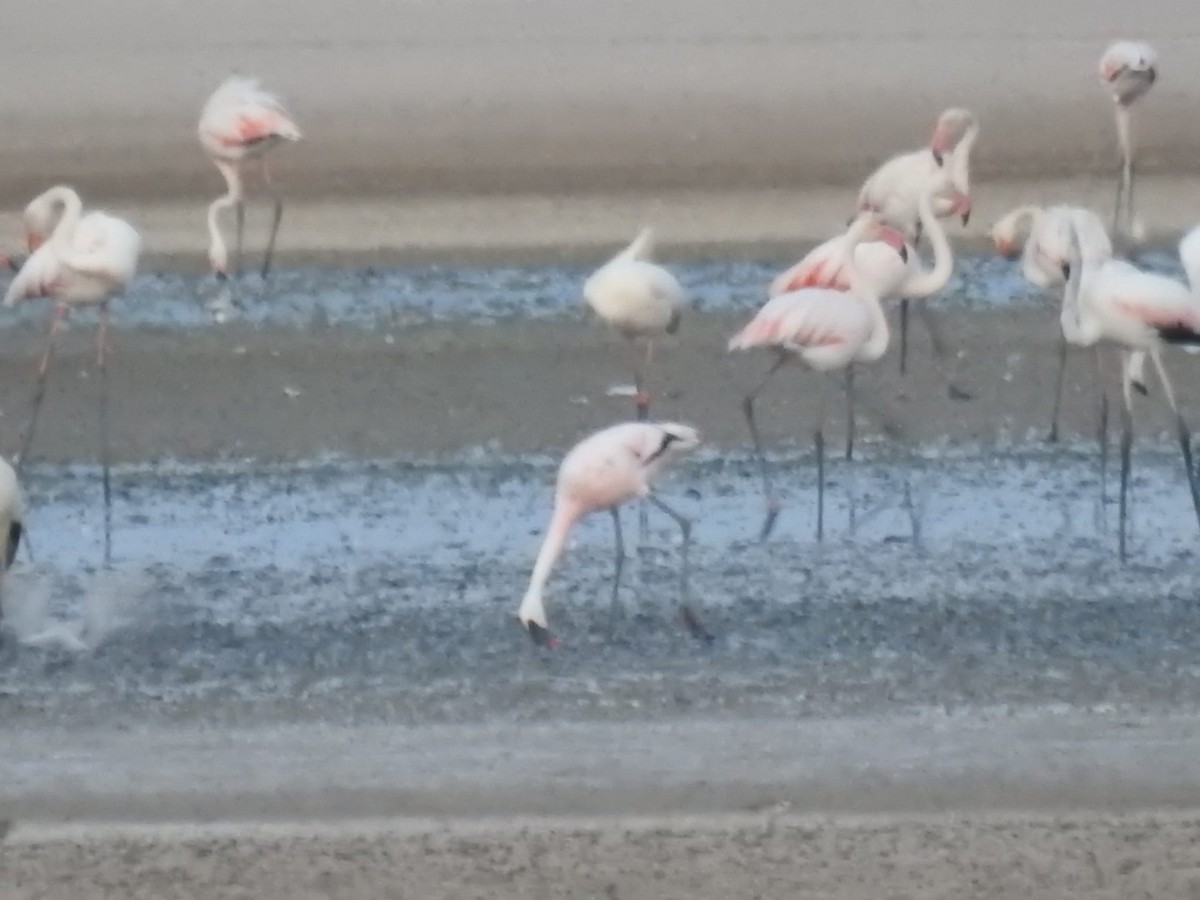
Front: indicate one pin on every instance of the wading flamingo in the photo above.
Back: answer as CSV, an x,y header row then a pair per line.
x,y
1119,304
641,300
825,329
603,471
86,260
1041,236
240,123
826,266
1129,70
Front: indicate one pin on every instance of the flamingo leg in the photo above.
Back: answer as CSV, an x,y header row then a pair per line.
x,y
690,619
240,214
642,401
105,445
819,441
850,412
276,217
1102,426
39,392
1126,453
1185,437
748,411
904,336
615,604
1052,437
938,342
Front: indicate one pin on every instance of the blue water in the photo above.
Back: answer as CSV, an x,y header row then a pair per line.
x,y
411,295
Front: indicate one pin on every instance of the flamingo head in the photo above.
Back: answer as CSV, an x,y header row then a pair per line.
x,y
1006,246
532,615
951,126
890,235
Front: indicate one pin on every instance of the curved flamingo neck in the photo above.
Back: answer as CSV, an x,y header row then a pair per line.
x,y
566,514
72,209
927,282
960,162
863,288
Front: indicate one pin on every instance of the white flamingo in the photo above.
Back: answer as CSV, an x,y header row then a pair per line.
x,y
641,300
86,260
1117,303
1128,69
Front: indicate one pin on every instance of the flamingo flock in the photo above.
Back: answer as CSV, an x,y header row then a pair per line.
x,y
827,313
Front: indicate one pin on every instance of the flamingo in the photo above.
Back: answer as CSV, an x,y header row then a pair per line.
x,y
1129,70
1042,238
1117,303
641,300
826,266
240,123
603,471
826,329
86,260
894,189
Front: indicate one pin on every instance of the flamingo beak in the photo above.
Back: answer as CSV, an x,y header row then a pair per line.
x,y
937,156
894,239
34,240
541,636
1066,270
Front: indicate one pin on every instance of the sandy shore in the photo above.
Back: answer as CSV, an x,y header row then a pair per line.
x,y
533,126
850,809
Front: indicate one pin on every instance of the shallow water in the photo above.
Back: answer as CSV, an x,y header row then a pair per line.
x,y
405,296
354,592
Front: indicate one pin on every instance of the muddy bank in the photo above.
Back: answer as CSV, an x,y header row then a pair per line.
x,y
517,387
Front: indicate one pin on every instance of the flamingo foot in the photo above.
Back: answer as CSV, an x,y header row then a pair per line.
x,y
773,508
695,626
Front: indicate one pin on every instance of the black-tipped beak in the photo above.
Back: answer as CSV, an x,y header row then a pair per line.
x,y
541,636
1141,388
966,218
904,252
937,157
1153,74
1066,270
14,262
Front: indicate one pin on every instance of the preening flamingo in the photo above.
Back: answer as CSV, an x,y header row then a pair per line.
x,y
1117,303
86,260
603,471
826,329
641,300
894,190
1041,236
1129,69
826,266
240,123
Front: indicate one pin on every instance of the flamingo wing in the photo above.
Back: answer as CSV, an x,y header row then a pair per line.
x,y
823,266
806,319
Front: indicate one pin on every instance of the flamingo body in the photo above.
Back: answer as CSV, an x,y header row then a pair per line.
x,y
604,470
242,121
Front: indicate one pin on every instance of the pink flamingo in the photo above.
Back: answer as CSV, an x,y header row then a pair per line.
x,y
240,123
826,266
603,471
86,260
1129,70
641,300
826,329
1117,303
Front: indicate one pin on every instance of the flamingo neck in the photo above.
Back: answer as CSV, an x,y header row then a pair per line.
x,y
641,248
217,253
566,514
72,209
863,288
960,162
927,282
